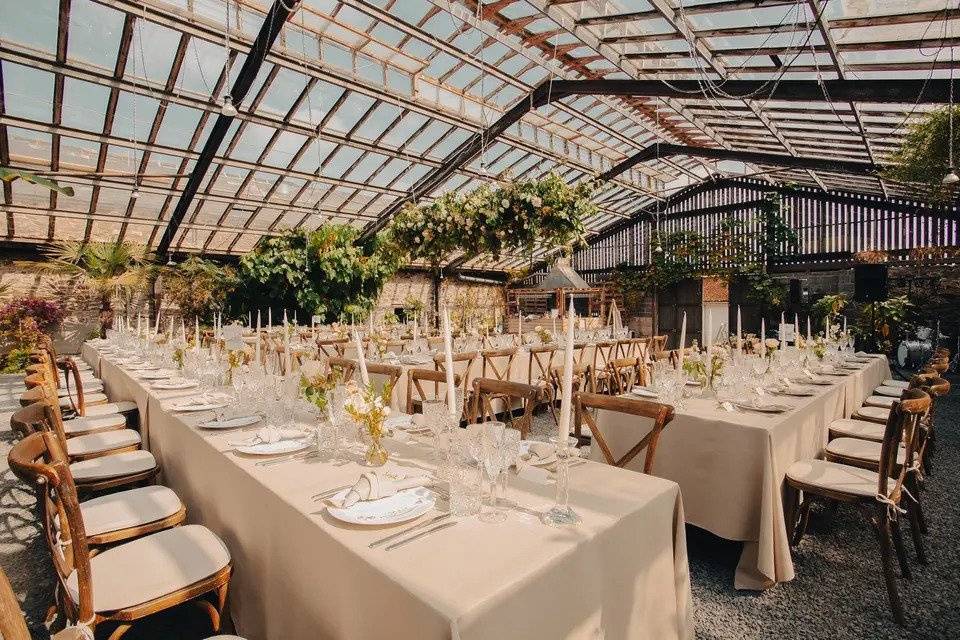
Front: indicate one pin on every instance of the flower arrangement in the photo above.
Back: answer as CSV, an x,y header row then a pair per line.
x,y
236,358
543,334
771,345
315,388
820,348
369,407
800,342
178,355
547,212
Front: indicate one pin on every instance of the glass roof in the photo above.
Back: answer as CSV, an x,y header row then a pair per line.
x,y
359,100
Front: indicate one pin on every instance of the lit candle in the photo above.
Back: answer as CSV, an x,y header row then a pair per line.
x,y
448,364
361,356
566,398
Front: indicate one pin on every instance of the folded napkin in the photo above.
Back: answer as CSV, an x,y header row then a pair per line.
x,y
374,485
268,435
538,451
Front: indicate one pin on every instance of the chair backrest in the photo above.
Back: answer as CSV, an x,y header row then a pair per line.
x,y
435,342
486,390
343,366
382,375
76,395
661,414
902,429
624,373
415,380
12,624
603,353
657,346
541,360
497,363
332,347
462,364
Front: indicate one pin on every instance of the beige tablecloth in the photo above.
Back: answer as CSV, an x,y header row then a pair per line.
x,y
730,466
300,574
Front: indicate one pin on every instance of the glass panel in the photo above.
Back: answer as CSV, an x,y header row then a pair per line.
x,y
28,93
95,32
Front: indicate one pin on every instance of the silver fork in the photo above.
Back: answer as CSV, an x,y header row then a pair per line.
x,y
296,456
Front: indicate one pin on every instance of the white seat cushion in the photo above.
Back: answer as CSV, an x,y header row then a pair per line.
x,y
120,464
863,429
100,442
835,476
111,407
893,392
130,508
88,398
861,449
84,424
93,387
151,567
890,382
874,414
880,401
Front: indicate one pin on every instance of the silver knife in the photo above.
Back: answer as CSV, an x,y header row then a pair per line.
x,y
400,534
442,525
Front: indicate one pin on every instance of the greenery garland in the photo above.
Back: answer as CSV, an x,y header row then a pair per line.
x,y
516,217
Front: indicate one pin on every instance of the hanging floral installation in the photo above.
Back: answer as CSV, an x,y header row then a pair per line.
x,y
516,217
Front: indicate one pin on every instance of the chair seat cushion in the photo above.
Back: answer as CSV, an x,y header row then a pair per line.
x,y
874,414
111,407
860,449
88,398
100,442
93,387
893,392
890,382
152,567
880,401
130,508
863,429
87,424
833,476
115,466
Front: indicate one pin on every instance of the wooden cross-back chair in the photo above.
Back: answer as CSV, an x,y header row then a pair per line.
x,y
332,347
585,406
387,374
878,495
604,352
415,380
580,378
540,360
118,517
486,393
435,342
129,582
344,366
657,346
624,373
497,363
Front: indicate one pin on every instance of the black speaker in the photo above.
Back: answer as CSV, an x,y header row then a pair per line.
x,y
795,295
870,282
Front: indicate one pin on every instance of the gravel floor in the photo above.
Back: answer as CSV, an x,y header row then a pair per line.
x,y
838,592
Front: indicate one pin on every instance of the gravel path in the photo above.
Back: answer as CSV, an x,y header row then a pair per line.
x,y
838,592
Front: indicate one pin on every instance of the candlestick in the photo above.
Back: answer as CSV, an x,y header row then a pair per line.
x,y
362,357
683,341
256,354
269,319
448,365
739,333
809,335
796,327
763,337
566,397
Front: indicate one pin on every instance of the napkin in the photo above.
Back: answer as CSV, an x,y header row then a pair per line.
x,y
268,434
374,485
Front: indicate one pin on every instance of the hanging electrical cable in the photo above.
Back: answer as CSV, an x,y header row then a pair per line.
x,y
951,178
227,108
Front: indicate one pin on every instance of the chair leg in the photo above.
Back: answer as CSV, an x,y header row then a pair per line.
x,y
804,520
917,507
119,631
883,532
916,530
900,549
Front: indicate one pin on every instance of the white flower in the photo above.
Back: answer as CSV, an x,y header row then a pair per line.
x,y
504,203
386,411
772,343
536,201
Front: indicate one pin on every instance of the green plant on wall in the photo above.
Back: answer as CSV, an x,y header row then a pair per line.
x,y
198,286
831,306
923,157
10,175
323,272
881,326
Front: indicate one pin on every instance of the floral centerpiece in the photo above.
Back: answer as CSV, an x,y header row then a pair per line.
x,y
236,358
706,368
178,356
369,408
543,334
315,388
820,348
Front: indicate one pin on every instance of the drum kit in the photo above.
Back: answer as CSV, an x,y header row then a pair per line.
x,y
913,352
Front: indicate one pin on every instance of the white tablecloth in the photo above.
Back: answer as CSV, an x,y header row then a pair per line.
x,y
731,466
300,574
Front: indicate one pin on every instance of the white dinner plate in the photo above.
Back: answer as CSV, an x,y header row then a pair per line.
x,y
762,408
274,448
158,374
643,392
230,423
400,507
174,384
796,392
197,406
536,462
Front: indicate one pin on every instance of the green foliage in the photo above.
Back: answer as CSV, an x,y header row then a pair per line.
x,y
548,213
198,286
883,325
828,306
322,272
10,175
923,157
15,360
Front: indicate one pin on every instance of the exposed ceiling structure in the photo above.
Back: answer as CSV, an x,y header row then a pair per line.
x,y
357,104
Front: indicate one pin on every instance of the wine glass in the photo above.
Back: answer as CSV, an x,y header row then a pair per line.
x,y
491,463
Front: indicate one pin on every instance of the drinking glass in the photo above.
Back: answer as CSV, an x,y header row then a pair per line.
x,y
510,452
491,463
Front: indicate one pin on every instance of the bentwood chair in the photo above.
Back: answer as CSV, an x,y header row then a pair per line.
x,y
121,469
343,366
116,517
623,373
415,380
12,624
131,581
587,404
383,375
489,395
878,495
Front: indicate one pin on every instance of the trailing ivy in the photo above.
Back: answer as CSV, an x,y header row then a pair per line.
x,y
923,157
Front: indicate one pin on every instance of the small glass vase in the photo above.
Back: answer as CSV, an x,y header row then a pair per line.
x,y
376,455
561,514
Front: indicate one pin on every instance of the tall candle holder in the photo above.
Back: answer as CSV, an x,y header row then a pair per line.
x,y
561,514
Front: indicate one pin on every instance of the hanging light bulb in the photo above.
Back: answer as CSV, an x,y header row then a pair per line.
x,y
228,109
170,262
135,193
951,177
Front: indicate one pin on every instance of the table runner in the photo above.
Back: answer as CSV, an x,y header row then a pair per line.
x,y
299,574
731,466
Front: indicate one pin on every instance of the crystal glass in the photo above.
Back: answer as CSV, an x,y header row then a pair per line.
x,y
511,454
465,475
491,463
561,514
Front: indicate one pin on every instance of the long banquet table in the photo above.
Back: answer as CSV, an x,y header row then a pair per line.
x,y
731,466
622,573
